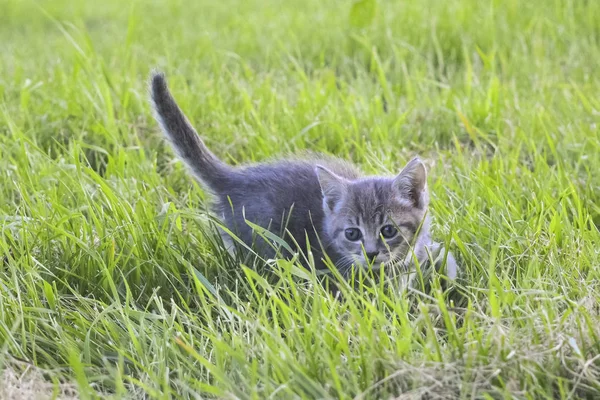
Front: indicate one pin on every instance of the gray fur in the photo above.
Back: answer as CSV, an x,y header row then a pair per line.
x,y
313,200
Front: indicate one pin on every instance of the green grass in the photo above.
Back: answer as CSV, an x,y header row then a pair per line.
x,y
111,277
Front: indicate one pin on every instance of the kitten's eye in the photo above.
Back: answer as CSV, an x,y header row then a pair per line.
x,y
388,231
353,234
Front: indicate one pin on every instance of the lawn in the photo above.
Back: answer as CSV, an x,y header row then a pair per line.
x,y
113,282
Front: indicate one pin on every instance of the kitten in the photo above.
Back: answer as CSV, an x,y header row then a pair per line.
x,y
323,202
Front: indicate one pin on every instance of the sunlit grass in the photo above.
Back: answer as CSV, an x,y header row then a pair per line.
x,y
112,278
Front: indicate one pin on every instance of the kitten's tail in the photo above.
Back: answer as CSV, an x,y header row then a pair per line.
x,y
184,138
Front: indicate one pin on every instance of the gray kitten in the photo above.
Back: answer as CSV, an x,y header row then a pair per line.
x,y
318,203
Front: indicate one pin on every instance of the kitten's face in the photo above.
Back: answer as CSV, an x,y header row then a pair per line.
x,y
373,221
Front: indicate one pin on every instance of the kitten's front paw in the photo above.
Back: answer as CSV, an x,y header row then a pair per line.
x,y
444,262
451,266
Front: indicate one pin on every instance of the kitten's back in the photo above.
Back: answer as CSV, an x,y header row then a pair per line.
x,y
281,195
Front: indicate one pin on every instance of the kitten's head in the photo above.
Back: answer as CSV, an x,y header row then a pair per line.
x,y
375,220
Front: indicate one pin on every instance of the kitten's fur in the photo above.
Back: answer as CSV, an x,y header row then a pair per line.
x,y
317,200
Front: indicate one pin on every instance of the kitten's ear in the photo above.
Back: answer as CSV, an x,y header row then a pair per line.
x,y
411,183
333,186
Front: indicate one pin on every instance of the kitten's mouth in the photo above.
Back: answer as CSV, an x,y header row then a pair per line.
x,y
377,264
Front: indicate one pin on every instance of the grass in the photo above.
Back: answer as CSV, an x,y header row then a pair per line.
x,y
111,278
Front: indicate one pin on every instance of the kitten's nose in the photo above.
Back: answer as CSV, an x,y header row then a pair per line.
x,y
372,255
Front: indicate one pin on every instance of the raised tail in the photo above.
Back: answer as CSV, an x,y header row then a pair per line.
x,y
184,138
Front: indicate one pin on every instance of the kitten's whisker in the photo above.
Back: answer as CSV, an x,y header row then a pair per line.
x,y
345,265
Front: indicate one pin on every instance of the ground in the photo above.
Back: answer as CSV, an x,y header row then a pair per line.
x,y
113,283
